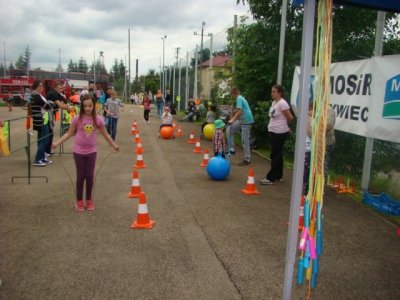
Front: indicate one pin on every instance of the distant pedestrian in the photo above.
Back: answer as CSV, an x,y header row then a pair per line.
x,y
146,108
168,99
9,100
160,101
85,125
132,97
112,110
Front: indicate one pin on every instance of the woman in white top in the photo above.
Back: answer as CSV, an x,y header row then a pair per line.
x,y
278,129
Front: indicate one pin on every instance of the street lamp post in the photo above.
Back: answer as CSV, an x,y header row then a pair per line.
x,y
163,68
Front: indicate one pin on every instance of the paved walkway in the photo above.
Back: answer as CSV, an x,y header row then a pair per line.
x,y
210,241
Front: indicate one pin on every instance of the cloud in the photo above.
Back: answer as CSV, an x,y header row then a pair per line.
x,y
84,28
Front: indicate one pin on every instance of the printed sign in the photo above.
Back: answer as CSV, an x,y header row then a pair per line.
x,y
365,96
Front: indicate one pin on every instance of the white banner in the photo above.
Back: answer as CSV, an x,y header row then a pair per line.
x,y
365,95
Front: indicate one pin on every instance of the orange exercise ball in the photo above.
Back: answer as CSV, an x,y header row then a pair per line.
x,y
166,132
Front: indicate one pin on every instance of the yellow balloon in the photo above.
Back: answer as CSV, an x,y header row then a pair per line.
x,y
208,131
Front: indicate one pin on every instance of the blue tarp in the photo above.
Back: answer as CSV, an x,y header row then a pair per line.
x,y
383,5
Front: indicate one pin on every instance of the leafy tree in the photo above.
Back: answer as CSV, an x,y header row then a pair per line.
x,y
200,58
23,59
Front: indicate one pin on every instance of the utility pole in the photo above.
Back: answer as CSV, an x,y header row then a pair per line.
x,y
201,47
179,84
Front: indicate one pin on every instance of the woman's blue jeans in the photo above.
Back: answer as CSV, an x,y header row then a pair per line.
x,y
43,139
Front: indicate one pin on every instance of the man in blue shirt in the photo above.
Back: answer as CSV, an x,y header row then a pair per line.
x,y
245,117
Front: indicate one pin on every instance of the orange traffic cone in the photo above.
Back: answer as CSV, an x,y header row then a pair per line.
x,y
197,149
139,161
301,215
250,187
133,130
137,137
134,124
174,125
191,138
139,148
143,219
179,131
135,189
206,158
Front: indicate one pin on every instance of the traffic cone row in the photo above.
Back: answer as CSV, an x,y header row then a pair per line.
x,y
137,137
143,219
139,161
139,147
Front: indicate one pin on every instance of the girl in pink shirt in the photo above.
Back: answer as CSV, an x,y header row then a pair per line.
x,y
85,125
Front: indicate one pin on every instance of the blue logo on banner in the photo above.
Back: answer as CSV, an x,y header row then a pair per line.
x,y
311,92
391,106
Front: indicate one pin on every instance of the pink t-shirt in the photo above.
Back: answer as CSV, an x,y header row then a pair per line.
x,y
278,122
86,134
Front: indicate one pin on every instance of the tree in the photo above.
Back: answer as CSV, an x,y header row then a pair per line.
x,y
82,66
23,59
2,70
59,68
204,57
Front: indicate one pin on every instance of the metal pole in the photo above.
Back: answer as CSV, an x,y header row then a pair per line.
x,y
160,75
211,67
234,43
282,41
179,81
187,84
195,75
59,63
129,62
369,143
305,74
174,84
5,60
201,48
28,62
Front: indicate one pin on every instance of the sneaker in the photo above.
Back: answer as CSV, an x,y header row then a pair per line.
x,y
39,163
49,154
244,163
232,152
202,136
280,180
79,205
46,161
266,182
89,205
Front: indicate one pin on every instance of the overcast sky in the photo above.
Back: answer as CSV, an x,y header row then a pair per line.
x,y
84,28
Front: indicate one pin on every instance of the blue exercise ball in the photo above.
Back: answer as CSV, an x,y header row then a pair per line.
x,y
218,168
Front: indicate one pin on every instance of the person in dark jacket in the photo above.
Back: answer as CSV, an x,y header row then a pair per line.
x,y
168,99
56,97
41,112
